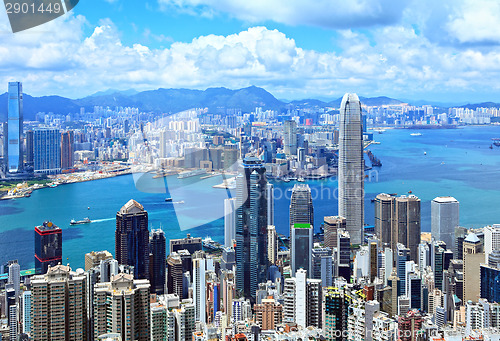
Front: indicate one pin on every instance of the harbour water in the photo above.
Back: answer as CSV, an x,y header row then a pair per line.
x,y
456,162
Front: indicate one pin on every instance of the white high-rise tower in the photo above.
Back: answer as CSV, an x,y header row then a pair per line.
x,y
351,167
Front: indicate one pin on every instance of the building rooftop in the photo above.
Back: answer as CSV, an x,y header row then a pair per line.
x,y
444,200
132,206
48,226
472,238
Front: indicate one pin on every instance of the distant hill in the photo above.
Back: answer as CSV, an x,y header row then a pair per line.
x,y
175,100
481,105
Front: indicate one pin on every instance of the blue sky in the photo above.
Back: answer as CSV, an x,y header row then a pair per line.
x,y
445,50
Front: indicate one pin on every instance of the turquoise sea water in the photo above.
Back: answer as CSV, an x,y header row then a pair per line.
x,y
458,162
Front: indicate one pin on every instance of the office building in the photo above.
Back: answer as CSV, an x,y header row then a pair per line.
x,y
301,247
397,220
132,238
351,167
272,244
491,239
94,258
175,278
322,263
15,127
301,206
26,308
444,220
331,225
202,265
270,203
122,306
473,257
185,322
67,149
268,314
384,207
490,281
157,247
48,246
290,137
229,221
251,227
15,277
46,150
343,256
58,309
406,226
29,148
189,243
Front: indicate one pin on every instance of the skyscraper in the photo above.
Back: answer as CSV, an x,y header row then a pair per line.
x,y
397,220
47,150
15,127
473,257
251,227
229,221
406,226
444,220
331,226
67,149
122,306
270,204
290,137
48,246
301,248
351,167
132,238
301,206
157,247
58,308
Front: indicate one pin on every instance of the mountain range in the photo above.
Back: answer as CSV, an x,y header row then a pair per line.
x,y
175,100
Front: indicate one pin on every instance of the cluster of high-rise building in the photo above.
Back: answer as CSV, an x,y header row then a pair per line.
x,y
336,279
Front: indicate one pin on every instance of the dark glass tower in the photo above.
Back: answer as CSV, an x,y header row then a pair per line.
x,y
251,227
301,206
132,238
48,246
157,245
15,127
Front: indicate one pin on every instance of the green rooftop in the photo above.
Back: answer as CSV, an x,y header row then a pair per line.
x,y
302,226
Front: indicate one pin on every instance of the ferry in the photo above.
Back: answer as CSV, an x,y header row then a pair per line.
x,y
210,244
78,222
189,174
415,134
169,199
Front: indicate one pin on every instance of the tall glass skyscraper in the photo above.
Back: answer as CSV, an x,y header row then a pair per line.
x,y
132,238
251,227
301,206
444,219
48,246
15,127
47,150
351,167
157,245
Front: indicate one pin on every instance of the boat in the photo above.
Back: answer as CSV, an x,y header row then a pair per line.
x,y
189,174
415,134
168,199
286,179
210,244
491,147
410,192
425,153
78,222
497,143
179,202
301,179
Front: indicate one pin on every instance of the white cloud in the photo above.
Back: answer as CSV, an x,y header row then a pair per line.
x,y
58,58
325,13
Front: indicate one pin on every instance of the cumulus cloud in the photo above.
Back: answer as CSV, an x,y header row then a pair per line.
x,y
59,58
325,13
